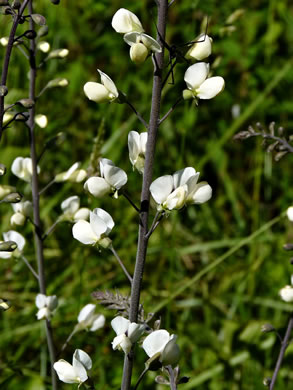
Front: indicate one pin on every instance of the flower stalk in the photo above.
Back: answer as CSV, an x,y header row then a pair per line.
x,y
35,195
147,179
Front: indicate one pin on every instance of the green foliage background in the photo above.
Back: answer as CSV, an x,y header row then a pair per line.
x,y
216,312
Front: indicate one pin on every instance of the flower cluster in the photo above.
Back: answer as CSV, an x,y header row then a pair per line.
x,y
46,306
75,372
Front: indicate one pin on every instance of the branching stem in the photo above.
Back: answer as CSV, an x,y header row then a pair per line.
x,y
26,262
137,114
121,264
171,110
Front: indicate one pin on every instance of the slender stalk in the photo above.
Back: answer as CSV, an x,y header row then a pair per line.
x,y
121,263
64,346
126,196
159,215
284,346
145,194
26,262
47,186
137,114
35,197
51,228
171,110
16,19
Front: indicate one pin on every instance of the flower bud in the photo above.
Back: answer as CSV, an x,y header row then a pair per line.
x,y
21,117
58,53
138,53
201,49
5,190
4,304
40,20
17,219
2,169
13,197
43,31
59,82
267,328
43,46
26,103
4,41
8,246
41,120
105,242
286,293
187,94
3,88
290,213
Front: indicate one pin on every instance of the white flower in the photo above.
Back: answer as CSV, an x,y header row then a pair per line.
x,y
72,211
88,320
46,305
23,169
173,192
73,174
43,46
16,237
77,372
201,49
199,86
127,332
100,93
140,46
286,293
290,213
22,210
125,21
41,120
137,149
5,190
111,180
96,231
163,345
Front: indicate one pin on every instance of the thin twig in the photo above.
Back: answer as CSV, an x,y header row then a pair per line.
x,y
275,138
26,262
141,377
120,263
169,72
47,186
64,346
158,217
171,109
51,228
171,2
137,114
126,196
284,346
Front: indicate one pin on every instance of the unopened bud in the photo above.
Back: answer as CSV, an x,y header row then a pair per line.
x,y
43,31
4,304
16,4
40,20
17,219
4,41
41,120
2,169
30,34
288,247
138,53
267,328
58,53
267,381
59,82
13,197
21,117
3,89
8,246
43,46
26,103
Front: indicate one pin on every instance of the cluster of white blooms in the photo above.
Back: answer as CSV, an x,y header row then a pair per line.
x,y
72,210
174,192
127,333
73,174
75,372
88,320
23,168
22,211
127,23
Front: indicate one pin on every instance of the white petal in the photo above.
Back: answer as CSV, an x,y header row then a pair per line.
x,y
151,43
201,193
161,188
65,371
290,213
98,225
109,84
86,312
83,213
122,342
155,342
143,141
97,186
70,205
71,170
98,322
181,177
52,302
120,325
12,235
286,293
83,232
41,120
133,146
96,92
176,199
5,255
106,217
82,357
22,168
40,301
115,176
125,21
210,87
44,312
196,74
135,331
201,49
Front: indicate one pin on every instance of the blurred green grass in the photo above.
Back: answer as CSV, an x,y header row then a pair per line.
x,y
218,316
